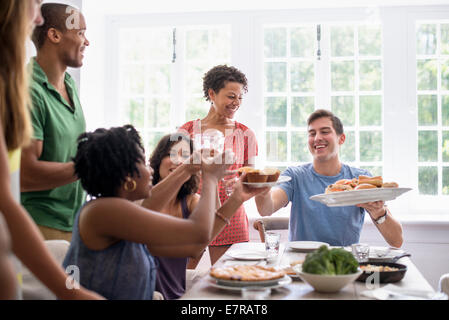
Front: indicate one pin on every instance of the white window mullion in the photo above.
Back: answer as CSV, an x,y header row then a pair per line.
x,y
439,113
289,98
399,102
356,96
323,71
178,112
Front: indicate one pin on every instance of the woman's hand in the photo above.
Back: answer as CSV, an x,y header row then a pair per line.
x,y
214,163
243,193
190,166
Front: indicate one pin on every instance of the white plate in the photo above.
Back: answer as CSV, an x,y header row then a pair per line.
x,y
238,285
350,198
389,253
281,179
306,246
246,254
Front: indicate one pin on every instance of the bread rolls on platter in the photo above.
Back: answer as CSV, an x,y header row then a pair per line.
x,y
365,186
377,181
337,188
390,185
360,183
350,182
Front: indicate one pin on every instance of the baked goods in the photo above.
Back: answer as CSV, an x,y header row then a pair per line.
x,y
337,188
390,185
244,169
365,186
289,269
273,174
350,182
262,175
256,176
246,273
377,181
360,183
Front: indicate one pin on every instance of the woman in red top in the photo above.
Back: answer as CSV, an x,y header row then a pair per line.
x,y
224,87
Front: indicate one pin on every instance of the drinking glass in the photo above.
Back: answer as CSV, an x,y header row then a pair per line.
x,y
361,252
272,242
212,140
229,181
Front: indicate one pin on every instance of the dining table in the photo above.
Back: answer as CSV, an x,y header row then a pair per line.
x,y
206,288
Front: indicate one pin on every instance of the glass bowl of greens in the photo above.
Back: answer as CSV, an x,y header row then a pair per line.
x,y
329,270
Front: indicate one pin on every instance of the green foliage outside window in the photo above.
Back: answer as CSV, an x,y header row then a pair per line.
x,y
428,180
347,150
427,110
370,146
276,111
302,107
370,110
428,146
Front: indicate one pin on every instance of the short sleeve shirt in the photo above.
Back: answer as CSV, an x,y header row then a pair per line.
x,y
313,221
58,125
243,143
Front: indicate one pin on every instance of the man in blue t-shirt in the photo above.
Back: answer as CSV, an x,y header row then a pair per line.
x,y
311,220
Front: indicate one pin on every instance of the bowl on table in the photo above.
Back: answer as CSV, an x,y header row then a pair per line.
x,y
327,283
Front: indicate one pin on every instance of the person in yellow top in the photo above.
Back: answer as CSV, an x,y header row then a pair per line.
x,y
17,19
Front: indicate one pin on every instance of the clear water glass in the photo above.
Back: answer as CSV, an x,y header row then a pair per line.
x,y
361,252
272,243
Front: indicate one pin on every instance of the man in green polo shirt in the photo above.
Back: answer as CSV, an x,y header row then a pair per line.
x,y
51,192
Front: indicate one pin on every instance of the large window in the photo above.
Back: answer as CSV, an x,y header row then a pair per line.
x,y
339,66
384,72
432,55
160,72
289,92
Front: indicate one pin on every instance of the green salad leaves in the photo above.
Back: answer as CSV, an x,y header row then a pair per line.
x,y
330,262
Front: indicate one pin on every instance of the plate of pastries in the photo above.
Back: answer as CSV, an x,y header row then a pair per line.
x,y
349,192
239,276
261,178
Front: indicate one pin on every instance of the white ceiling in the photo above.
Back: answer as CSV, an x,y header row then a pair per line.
x,y
148,6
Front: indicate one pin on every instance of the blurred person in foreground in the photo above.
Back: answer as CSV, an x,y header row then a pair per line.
x,y
17,20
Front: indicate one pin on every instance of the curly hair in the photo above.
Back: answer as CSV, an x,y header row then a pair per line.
x,y
217,77
163,150
106,157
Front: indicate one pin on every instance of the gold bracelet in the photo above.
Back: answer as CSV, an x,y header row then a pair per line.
x,y
222,217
